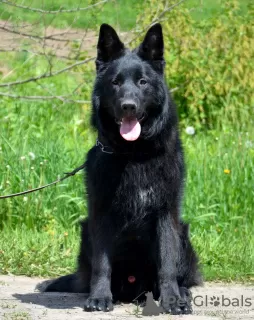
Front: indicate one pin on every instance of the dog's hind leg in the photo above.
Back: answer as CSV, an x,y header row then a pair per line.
x,y
188,269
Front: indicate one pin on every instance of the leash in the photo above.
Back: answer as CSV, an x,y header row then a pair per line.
x,y
67,175
105,149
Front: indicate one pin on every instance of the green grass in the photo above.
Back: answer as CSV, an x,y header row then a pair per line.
x,y
218,205
48,253
119,13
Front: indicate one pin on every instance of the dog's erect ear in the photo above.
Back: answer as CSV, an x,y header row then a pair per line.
x,y
109,46
152,48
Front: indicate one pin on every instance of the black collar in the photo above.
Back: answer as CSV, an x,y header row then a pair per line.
x,y
110,150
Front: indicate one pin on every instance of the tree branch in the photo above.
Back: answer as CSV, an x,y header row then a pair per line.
x,y
9,3
36,53
62,98
33,36
46,75
157,19
167,10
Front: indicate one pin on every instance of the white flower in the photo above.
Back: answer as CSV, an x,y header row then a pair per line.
x,y
190,131
8,167
249,144
25,199
31,155
32,168
22,158
79,122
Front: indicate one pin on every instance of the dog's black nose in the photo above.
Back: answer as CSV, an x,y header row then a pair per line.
x,y
129,106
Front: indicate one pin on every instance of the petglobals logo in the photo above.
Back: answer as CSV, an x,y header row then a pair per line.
x,y
222,301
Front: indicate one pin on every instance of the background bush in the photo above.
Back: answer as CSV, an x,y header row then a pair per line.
x,y
210,61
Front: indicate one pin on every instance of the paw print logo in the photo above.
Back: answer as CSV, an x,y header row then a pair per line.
x,y
215,301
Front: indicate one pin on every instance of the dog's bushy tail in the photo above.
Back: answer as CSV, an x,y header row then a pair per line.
x,y
69,283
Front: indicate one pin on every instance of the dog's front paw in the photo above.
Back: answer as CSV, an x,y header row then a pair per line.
x,y
170,303
171,308
187,309
98,304
175,305
186,300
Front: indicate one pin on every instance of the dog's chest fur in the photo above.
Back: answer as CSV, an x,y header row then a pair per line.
x,y
131,188
139,188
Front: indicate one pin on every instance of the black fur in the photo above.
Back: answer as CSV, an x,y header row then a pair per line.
x,y
134,194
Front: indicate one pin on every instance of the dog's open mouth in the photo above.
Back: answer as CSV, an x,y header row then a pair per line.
x,y
130,128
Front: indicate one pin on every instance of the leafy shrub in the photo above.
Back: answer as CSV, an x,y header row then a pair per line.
x,y
209,61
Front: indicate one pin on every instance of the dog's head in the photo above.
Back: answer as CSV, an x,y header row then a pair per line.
x,y
129,93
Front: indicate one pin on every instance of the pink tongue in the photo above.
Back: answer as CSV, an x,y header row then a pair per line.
x,y
130,129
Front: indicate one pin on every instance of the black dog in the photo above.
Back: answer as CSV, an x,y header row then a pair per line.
x,y
132,273
133,240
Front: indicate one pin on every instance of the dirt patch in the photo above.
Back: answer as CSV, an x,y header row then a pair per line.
x,y
64,43
20,300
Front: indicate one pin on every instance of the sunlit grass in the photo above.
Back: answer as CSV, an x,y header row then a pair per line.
x,y
39,142
120,13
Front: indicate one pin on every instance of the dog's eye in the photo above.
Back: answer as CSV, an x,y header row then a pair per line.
x,y
115,82
142,82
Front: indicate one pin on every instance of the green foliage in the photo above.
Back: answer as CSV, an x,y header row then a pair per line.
x,y
44,253
30,156
210,61
218,197
121,13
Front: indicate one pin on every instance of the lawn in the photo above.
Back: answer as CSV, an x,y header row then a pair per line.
x,y
119,13
40,231
40,140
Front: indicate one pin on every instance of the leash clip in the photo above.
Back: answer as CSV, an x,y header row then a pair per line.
x,y
102,147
